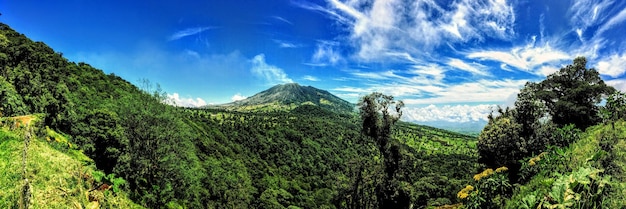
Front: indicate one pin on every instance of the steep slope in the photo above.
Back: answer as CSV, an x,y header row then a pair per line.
x,y
590,173
36,174
287,97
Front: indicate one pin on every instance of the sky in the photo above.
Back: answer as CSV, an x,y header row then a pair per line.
x,y
448,60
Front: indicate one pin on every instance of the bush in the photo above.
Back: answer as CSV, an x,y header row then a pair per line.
x,y
491,190
499,143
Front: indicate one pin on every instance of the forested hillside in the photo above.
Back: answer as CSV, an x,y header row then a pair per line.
x,y
309,156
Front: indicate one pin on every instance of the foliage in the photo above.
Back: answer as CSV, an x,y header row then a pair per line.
x,y
571,94
577,176
499,144
615,107
491,190
372,107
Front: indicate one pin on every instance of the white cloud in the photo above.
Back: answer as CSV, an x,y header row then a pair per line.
x,y
619,84
472,68
547,70
237,97
187,32
310,78
613,66
448,113
177,100
326,53
528,58
286,44
387,27
615,20
495,91
271,74
414,91
282,20
586,13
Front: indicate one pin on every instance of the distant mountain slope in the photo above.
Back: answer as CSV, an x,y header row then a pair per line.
x,y
471,128
287,97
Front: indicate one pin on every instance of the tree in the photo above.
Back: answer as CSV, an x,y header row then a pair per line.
x,y
571,94
615,107
529,109
532,114
500,144
10,101
377,121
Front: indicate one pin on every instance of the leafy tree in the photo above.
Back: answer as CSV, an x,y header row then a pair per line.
x,y
10,101
500,144
101,136
377,121
571,94
529,109
615,107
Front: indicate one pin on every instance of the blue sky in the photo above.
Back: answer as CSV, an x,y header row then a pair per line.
x,y
449,60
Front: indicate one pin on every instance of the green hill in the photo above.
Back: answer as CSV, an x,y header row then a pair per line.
x,y
287,97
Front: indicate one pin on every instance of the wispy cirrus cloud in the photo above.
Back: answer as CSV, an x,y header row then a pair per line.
x,y
473,68
393,26
272,74
425,85
310,78
281,19
615,20
529,58
587,13
286,44
188,32
326,53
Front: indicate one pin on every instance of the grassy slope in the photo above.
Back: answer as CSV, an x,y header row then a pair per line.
x,y
58,179
580,154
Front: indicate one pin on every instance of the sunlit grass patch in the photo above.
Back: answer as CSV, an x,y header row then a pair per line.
x,y
57,179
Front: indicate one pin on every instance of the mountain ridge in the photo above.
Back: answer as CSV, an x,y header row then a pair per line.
x,y
287,97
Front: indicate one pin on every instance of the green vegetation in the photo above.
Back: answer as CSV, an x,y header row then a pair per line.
x,y
55,178
93,140
309,155
553,164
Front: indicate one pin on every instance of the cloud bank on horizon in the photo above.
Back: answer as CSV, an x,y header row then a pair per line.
x,y
448,60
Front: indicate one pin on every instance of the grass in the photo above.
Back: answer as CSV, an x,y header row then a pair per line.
x,y
57,179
